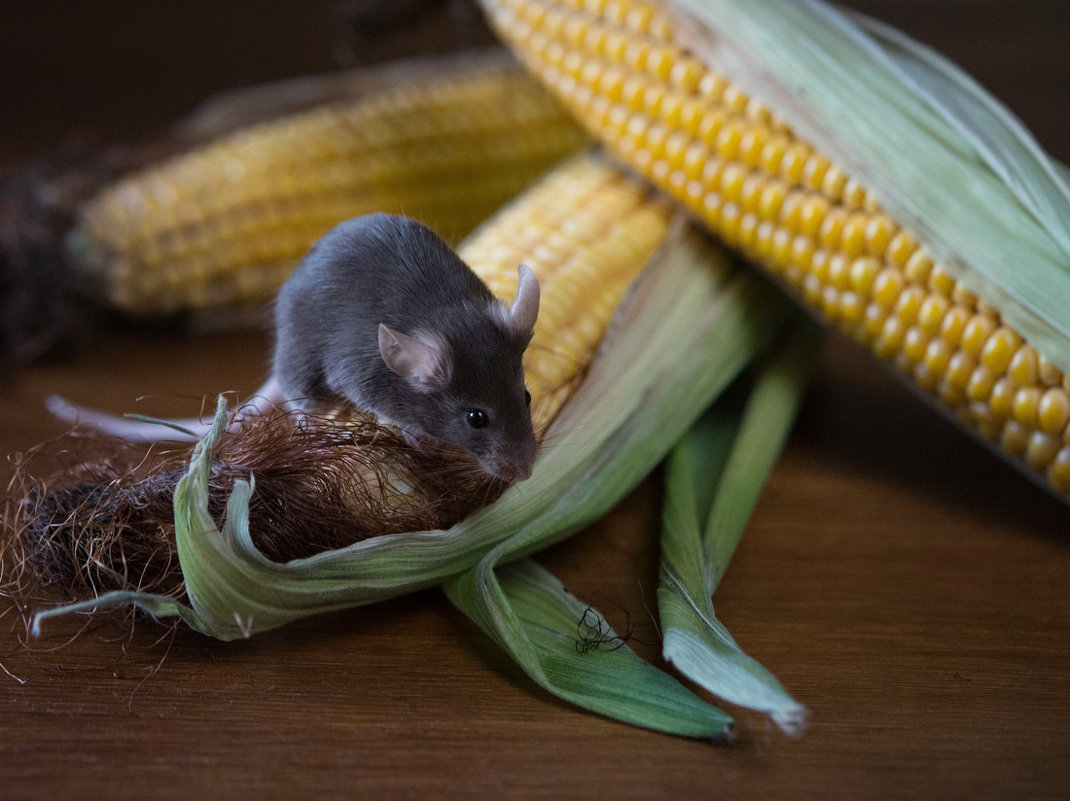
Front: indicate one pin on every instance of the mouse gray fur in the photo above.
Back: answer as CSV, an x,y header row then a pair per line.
x,y
382,313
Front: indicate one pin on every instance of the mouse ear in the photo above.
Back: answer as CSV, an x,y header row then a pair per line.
x,y
422,361
525,308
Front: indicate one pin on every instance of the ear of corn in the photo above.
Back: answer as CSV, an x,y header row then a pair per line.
x,y
225,223
623,69
603,408
682,333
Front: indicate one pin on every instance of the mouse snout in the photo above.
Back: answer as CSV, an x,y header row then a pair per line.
x,y
511,463
510,471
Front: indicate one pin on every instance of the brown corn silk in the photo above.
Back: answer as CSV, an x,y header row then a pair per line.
x,y
622,70
323,482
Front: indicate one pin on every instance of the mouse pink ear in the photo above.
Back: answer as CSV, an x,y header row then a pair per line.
x,y
525,308
421,360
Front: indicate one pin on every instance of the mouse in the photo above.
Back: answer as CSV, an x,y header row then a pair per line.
x,y
383,314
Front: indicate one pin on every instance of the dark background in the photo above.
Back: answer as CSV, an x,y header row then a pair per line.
x,y
907,586
121,68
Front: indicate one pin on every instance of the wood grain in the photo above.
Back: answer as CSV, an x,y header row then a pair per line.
x,y
908,587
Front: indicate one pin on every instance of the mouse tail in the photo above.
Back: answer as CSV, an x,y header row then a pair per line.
x,y
136,428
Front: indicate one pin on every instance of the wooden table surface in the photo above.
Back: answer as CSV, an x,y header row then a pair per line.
x,y
903,583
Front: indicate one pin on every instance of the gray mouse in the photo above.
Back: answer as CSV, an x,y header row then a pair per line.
x,y
382,313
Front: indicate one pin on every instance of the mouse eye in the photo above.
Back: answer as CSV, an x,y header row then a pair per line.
x,y
527,397
477,418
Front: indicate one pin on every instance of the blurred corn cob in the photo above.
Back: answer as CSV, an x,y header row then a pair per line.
x,y
225,223
621,68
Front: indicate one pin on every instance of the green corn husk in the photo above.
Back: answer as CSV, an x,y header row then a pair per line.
x,y
715,473
713,478
533,618
943,157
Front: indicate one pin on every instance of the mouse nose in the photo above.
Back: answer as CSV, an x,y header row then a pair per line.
x,y
510,466
511,471
521,471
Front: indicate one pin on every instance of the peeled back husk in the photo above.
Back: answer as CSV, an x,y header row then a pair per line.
x,y
690,323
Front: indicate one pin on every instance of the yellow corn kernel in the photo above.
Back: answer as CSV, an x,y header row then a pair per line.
x,y
937,357
1041,450
900,248
852,308
887,287
1002,396
834,183
853,239
960,369
1026,403
941,281
879,232
890,340
832,228
812,215
976,333
909,303
819,265
999,349
1023,366
918,267
1050,375
954,324
875,315
839,272
915,343
1053,410
863,274
1059,472
931,313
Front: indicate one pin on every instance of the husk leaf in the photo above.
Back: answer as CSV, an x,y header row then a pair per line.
x,y
532,616
713,479
943,157
747,315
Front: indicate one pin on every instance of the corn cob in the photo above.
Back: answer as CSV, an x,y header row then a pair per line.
x,y
225,223
585,230
620,68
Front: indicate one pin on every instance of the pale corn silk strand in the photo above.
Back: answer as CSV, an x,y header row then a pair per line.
x,y
622,70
